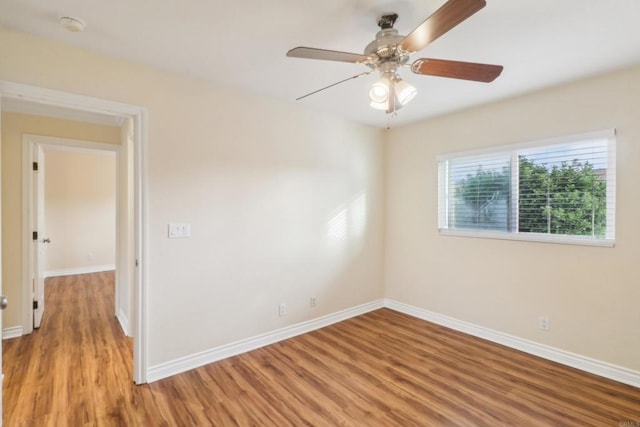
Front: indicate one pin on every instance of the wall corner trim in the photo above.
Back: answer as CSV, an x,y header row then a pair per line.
x,y
597,367
124,322
196,360
12,332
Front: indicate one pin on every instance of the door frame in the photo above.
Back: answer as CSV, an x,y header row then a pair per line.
x,y
138,115
29,252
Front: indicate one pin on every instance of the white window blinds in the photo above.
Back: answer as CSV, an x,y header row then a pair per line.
x,y
560,190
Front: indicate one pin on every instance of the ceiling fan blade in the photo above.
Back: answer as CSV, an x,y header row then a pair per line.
x,y
335,84
456,69
448,16
328,55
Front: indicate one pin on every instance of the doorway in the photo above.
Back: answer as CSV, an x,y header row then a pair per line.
x,y
73,107
77,215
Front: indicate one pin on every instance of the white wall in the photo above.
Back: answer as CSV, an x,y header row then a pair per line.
x,y
80,211
260,182
591,294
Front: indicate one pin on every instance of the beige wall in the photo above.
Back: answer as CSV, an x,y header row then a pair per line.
x,y
591,294
265,186
80,210
13,127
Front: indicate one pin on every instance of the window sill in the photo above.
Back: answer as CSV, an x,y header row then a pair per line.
x,y
529,237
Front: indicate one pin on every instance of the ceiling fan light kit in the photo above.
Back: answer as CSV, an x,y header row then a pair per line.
x,y
390,51
390,93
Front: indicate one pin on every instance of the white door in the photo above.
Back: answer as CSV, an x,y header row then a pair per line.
x,y
41,240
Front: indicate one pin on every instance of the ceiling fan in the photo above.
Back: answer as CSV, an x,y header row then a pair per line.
x,y
390,51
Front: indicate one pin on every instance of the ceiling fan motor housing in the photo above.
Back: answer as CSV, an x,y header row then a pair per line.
x,y
385,48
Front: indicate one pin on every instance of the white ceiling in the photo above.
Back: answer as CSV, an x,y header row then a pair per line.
x,y
242,44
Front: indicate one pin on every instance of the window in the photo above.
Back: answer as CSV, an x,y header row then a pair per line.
x,y
560,190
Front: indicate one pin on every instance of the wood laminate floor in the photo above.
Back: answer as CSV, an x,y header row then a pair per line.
x,y
379,369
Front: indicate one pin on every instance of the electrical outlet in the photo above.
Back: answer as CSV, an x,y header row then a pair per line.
x,y
313,301
282,309
543,323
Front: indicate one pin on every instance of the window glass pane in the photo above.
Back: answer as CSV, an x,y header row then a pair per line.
x,y
479,193
562,189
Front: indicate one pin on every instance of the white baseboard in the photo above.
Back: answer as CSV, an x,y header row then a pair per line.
x,y
124,322
196,360
80,270
604,369
12,332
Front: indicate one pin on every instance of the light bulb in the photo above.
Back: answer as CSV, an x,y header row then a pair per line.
x,y
379,91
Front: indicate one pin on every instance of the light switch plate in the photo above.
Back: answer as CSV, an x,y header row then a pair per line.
x,y
177,231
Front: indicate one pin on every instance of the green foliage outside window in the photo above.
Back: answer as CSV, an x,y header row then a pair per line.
x,y
569,198
482,192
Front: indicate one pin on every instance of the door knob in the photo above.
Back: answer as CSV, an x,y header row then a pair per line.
x,y
46,240
4,302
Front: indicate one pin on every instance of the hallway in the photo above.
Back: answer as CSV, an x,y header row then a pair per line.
x,y
77,367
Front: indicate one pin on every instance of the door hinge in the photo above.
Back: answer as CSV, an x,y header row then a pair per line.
x,y
35,304
35,235
35,166
137,263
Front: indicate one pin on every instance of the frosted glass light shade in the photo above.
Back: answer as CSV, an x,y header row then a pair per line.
x,y
405,91
379,91
379,105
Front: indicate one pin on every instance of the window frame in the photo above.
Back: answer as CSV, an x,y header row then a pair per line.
x,y
513,150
